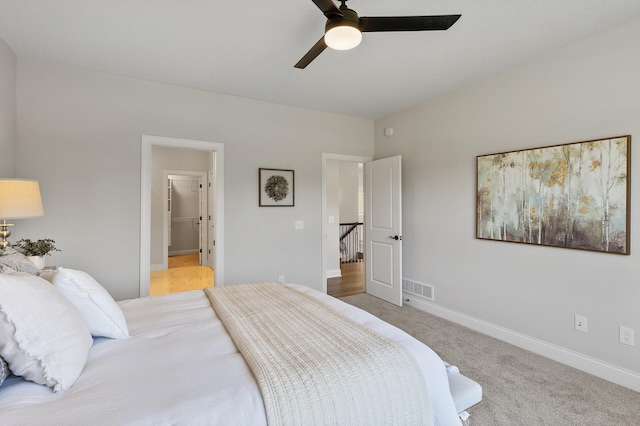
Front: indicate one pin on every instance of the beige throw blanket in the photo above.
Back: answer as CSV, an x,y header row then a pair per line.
x,y
315,366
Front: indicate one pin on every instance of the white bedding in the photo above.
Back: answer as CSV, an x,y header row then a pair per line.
x,y
180,367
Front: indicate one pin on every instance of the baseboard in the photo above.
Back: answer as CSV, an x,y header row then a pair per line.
x,y
158,267
334,273
604,370
179,252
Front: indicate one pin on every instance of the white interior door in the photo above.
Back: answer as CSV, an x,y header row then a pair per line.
x,y
383,229
168,220
202,212
211,238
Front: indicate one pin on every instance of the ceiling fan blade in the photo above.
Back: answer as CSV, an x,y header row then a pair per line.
x,y
313,53
328,7
407,23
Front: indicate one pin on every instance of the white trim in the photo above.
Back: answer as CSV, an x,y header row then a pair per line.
x,y
158,267
323,228
181,252
148,142
334,273
596,367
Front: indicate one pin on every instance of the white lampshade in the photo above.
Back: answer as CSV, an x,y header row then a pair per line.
x,y
343,37
20,199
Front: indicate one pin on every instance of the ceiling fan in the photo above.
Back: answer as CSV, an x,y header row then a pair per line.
x,y
344,27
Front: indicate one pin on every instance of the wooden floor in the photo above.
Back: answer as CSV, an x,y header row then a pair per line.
x,y
351,282
184,274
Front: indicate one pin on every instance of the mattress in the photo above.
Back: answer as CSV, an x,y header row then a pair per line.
x,y
181,367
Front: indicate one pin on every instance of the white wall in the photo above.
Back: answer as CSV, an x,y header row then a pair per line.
x,y
333,209
7,111
79,133
349,177
582,92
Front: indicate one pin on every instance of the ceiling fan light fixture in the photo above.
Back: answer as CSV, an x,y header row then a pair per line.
x,y
344,35
343,29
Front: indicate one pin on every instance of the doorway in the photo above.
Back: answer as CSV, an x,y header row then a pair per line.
x,y
185,215
382,224
186,258
213,223
343,209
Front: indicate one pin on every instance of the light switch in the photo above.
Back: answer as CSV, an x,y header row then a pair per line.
x,y
332,219
299,224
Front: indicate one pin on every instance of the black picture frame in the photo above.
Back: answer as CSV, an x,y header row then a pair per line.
x,y
276,187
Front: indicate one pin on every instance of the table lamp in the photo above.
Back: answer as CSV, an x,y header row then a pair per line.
x,y
19,199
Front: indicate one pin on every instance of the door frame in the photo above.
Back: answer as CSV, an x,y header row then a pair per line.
x,y
204,176
147,142
323,228
211,230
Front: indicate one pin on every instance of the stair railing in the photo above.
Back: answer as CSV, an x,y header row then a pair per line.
x,y
351,244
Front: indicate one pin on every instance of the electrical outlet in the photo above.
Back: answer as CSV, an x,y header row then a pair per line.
x,y
281,278
627,336
580,323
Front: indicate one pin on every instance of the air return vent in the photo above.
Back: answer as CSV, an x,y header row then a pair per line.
x,y
414,288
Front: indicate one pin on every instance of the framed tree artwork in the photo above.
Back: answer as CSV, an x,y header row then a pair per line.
x,y
276,188
574,195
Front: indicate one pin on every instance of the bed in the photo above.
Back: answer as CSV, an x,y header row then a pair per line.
x,y
179,365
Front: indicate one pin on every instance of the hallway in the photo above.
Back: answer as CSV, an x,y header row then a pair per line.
x,y
351,282
184,274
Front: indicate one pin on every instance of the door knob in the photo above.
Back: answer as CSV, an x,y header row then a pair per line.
x,y
395,237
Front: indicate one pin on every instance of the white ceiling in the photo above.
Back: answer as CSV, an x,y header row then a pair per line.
x,y
248,47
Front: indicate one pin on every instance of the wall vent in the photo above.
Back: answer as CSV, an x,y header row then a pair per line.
x,y
414,288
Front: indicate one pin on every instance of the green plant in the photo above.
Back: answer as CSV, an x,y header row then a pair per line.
x,y
36,248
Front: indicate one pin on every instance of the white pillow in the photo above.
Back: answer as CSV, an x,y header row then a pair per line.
x,y
17,261
43,337
99,310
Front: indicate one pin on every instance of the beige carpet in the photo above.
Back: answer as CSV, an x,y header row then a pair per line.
x,y
519,387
